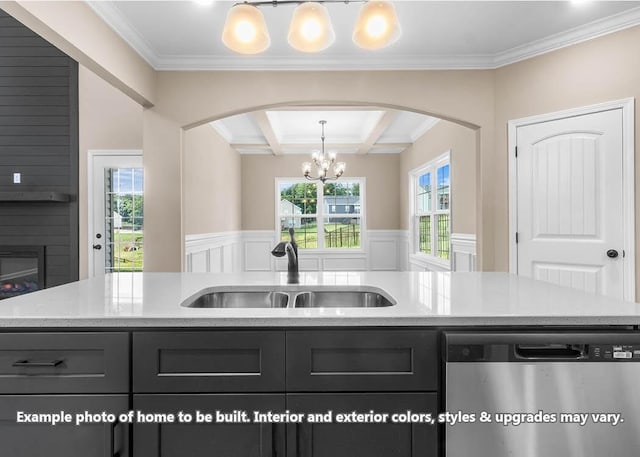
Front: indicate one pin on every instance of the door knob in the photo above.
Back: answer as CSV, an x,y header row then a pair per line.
x,y
97,247
612,253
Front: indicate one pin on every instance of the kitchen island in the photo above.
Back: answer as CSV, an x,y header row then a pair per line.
x,y
123,344
423,299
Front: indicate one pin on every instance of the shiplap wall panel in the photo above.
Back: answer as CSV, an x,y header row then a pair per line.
x,y
39,139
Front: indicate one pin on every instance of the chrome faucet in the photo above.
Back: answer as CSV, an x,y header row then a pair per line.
x,y
290,248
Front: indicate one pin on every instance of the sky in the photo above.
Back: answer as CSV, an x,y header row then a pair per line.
x,y
127,179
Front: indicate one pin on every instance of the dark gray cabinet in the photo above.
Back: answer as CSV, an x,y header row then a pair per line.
x,y
74,372
308,371
362,439
63,440
213,361
206,440
362,360
64,362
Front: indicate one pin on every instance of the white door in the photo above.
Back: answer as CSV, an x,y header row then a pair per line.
x,y
116,212
570,202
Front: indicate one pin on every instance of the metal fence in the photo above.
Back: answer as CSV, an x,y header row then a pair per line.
x,y
343,237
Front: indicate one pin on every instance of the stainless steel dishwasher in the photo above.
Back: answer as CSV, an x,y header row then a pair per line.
x,y
527,375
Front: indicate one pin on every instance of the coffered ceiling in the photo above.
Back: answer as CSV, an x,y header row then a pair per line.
x,y
184,35
352,130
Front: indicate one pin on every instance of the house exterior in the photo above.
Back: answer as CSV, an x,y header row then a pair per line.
x,y
287,208
342,205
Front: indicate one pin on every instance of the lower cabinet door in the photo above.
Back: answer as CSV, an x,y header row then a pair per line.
x,y
361,439
230,437
29,439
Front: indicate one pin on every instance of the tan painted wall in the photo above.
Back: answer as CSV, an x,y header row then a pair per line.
x,y
74,28
600,70
461,141
382,172
211,177
190,98
108,119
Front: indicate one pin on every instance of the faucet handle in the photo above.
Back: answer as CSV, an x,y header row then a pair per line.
x,y
292,234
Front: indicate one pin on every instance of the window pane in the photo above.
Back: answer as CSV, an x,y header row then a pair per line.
x,y
424,231
342,232
443,187
124,219
424,193
443,236
342,198
305,228
298,199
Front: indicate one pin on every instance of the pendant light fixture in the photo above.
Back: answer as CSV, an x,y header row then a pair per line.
x,y
327,169
311,29
245,30
377,25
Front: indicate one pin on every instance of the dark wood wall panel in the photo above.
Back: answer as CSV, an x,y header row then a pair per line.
x,y
39,139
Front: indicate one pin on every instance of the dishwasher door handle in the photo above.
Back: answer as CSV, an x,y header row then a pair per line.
x,y
551,351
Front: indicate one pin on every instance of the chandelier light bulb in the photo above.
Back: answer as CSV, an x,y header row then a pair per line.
x,y
245,30
323,162
311,29
377,25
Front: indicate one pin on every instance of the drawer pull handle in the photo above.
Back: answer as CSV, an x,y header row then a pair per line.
x,y
29,363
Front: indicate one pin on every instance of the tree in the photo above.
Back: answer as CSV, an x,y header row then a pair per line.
x,y
131,208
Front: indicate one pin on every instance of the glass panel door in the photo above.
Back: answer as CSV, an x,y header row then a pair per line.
x,y
117,234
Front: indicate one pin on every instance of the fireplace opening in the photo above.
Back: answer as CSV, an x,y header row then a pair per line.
x,y
21,270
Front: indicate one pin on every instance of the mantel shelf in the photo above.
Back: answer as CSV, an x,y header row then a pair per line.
x,y
34,196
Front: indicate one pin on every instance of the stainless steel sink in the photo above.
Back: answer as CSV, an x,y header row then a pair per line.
x,y
240,299
341,299
291,297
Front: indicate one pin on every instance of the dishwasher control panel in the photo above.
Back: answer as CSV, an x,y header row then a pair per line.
x,y
612,352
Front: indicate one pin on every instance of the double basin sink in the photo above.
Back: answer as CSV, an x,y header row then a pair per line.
x,y
283,297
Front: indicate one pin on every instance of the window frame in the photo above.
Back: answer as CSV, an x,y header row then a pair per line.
x,y
320,215
432,167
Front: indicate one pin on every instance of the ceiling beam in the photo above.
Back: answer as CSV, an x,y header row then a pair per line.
x,y
385,121
326,108
303,147
267,130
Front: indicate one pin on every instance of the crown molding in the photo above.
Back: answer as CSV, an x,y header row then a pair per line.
x,y
114,18
589,31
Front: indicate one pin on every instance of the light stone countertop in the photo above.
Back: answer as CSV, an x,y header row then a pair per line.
x,y
423,299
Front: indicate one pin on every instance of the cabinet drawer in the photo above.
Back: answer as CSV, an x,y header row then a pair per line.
x,y
64,363
362,360
208,361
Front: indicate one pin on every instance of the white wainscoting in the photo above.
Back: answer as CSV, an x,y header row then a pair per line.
x,y
213,252
463,256
463,252
256,250
250,250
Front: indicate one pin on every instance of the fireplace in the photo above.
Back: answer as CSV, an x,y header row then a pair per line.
x,y
21,270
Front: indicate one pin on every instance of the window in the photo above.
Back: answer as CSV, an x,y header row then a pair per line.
x,y
323,216
431,212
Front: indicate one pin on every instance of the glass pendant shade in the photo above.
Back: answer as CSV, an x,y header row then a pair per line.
x,y
377,25
311,29
245,30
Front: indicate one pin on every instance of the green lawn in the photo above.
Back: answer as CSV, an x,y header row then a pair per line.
x,y
127,250
307,236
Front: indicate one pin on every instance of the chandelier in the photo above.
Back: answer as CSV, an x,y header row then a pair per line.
x,y
327,169
245,30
